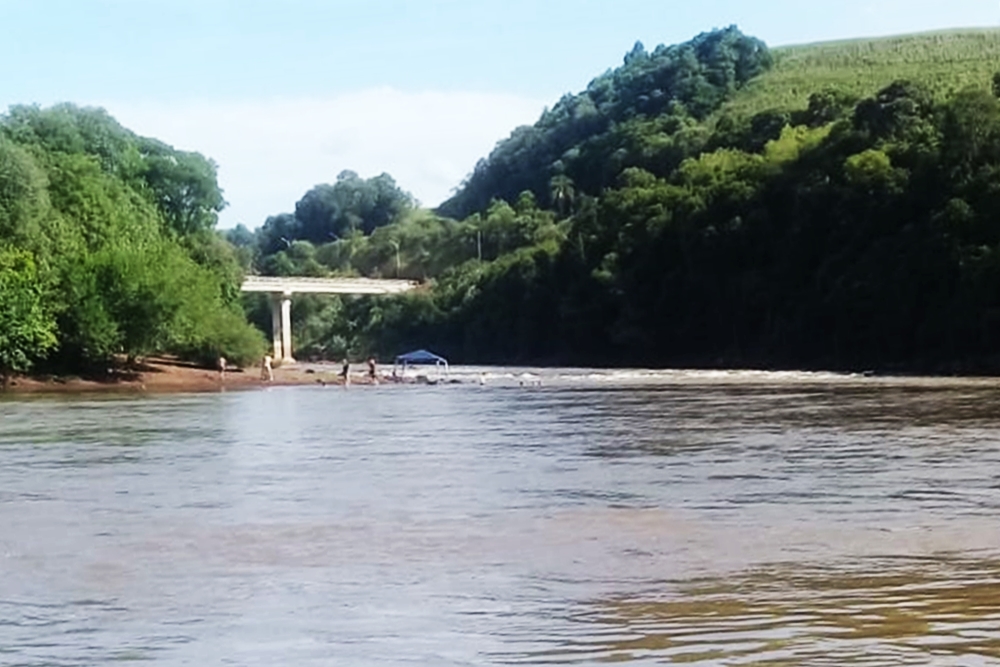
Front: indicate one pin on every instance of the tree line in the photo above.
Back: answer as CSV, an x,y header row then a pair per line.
x,y
646,220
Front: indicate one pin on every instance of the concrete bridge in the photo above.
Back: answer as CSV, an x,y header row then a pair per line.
x,y
282,289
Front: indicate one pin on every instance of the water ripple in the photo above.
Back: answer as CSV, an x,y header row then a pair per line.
x,y
647,517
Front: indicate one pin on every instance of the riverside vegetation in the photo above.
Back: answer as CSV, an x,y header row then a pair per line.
x,y
107,248
710,203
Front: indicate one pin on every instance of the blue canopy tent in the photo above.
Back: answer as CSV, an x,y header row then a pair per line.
x,y
420,358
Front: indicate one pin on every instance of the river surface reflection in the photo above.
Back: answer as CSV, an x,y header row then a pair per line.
x,y
630,516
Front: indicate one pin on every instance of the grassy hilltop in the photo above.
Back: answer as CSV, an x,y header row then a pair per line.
x,y
945,61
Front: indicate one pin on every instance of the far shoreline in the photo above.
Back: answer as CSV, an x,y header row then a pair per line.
x,y
168,375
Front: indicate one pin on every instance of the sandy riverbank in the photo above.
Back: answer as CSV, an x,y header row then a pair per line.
x,y
170,375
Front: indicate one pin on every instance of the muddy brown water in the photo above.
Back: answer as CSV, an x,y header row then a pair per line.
x,y
636,517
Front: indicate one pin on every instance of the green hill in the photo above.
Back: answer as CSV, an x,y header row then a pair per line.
x,y
945,61
717,203
838,208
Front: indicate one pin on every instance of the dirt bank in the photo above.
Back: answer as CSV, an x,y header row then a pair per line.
x,y
162,374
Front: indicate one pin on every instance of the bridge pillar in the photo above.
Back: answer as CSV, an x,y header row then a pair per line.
x,y
276,327
286,328
281,327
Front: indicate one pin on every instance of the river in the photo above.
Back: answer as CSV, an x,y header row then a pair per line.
x,y
585,517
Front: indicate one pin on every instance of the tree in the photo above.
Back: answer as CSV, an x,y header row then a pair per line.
x,y
69,129
183,185
827,106
24,200
320,216
278,233
329,212
871,169
971,127
27,326
563,193
900,111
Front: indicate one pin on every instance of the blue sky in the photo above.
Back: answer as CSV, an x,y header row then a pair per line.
x,y
284,95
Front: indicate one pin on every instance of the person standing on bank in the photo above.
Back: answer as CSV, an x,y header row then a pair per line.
x,y
371,370
266,370
345,372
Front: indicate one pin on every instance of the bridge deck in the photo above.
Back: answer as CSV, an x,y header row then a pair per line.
x,y
275,285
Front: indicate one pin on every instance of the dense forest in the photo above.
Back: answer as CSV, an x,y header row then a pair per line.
x,y
107,248
712,203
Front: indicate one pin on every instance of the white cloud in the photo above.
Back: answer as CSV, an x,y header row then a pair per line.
x,y
271,152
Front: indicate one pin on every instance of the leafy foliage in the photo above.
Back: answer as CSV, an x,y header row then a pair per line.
x,y
24,202
183,186
352,205
27,326
682,82
118,230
